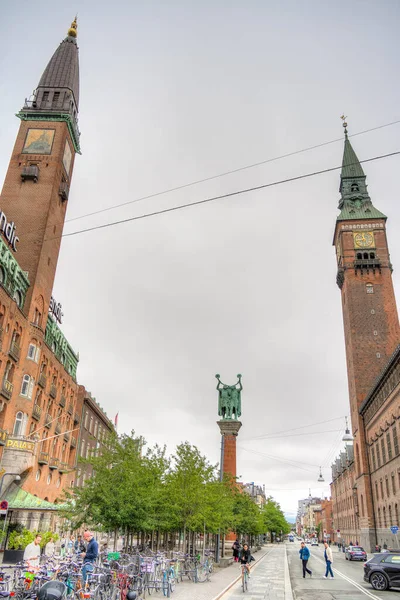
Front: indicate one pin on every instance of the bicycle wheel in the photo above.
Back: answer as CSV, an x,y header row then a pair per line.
x,y
202,573
165,585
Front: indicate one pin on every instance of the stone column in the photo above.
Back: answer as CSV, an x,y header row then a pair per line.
x,y
229,430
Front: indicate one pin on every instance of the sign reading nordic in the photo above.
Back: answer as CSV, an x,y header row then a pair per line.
x,y
8,230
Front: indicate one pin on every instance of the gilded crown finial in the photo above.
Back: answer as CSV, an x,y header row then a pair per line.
x,y
344,124
73,30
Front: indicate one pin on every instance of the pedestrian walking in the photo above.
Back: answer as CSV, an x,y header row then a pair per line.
x,y
329,560
236,548
70,545
304,556
32,552
89,557
50,547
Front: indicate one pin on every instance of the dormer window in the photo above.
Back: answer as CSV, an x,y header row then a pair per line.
x,y
354,187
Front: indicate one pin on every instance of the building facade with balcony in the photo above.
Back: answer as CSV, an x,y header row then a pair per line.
x,y
41,406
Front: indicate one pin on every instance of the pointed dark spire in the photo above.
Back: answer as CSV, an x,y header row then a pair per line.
x,y
355,202
57,95
62,72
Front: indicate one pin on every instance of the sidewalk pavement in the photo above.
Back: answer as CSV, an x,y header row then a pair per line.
x,y
269,580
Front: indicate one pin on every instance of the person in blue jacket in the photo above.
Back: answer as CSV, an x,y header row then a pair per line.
x,y
304,556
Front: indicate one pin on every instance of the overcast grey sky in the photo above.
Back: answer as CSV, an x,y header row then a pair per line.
x,y
179,91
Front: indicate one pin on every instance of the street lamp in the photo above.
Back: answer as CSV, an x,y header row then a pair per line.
x,y
320,478
17,477
347,435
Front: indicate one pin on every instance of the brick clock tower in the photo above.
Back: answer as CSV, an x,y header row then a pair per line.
x,y
37,182
371,324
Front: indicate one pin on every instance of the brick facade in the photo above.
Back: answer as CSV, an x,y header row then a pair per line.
x,y
41,403
372,333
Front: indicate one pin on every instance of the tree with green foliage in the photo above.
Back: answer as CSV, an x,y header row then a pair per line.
x,y
274,519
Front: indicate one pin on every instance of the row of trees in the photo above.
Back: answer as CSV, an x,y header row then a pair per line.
x,y
144,491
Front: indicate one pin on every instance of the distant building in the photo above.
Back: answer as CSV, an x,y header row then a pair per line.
x,y
256,493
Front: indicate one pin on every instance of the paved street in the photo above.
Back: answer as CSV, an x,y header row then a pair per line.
x,y
348,583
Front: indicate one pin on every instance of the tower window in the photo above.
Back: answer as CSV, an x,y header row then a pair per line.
x,y
354,187
370,288
45,97
372,255
56,97
366,255
359,256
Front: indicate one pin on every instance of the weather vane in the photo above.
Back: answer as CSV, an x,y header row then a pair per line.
x,y
344,122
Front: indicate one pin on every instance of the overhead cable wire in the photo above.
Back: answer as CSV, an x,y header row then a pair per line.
x,y
225,173
292,463
304,433
222,196
259,437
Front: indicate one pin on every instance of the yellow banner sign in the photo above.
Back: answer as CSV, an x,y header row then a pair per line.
x,y
20,445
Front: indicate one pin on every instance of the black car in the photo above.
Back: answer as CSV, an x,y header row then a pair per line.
x,y
383,570
355,553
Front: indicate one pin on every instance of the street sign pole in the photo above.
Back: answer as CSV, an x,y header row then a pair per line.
x,y
395,530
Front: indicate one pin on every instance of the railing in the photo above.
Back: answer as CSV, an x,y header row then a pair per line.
x,y
7,389
63,467
43,458
73,442
64,190
53,463
36,412
53,391
15,351
367,263
70,409
62,401
31,172
58,429
42,380
47,421
76,418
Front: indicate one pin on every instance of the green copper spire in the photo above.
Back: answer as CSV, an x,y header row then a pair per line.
x,y
355,202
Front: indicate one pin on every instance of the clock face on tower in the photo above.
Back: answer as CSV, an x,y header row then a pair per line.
x,y
363,239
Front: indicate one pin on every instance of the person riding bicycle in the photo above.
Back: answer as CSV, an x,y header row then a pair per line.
x,y
245,558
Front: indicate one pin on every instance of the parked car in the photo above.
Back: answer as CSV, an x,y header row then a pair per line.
x,y
382,571
314,542
355,553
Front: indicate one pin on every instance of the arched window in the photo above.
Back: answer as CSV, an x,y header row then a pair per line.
x,y
33,352
390,515
18,298
372,255
362,505
27,386
384,516
379,518
365,255
358,464
359,255
354,187
18,425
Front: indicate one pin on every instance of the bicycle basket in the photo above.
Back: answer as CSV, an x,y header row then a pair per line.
x,y
113,556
